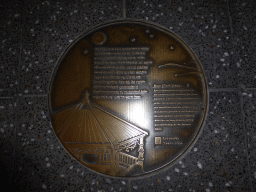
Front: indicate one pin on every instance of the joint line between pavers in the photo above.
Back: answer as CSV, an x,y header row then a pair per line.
x,y
124,9
36,95
129,185
223,90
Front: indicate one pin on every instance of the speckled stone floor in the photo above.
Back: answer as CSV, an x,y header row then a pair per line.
x,y
34,34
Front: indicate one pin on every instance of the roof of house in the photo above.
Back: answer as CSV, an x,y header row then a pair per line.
x,y
87,122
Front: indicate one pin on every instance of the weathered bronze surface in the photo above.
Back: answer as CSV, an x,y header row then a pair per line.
x,y
128,98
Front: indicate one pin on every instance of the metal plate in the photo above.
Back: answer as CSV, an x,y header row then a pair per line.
x,y
128,98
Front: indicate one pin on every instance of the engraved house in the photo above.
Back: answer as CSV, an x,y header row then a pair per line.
x,y
99,139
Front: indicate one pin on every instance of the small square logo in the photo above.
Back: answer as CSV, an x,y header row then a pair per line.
x,y
158,140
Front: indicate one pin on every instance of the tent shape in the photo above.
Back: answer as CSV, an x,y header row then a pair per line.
x,y
88,123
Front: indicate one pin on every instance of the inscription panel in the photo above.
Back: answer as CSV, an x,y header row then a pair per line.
x,y
123,71
128,98
174,93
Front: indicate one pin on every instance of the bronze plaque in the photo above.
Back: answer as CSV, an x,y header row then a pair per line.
x,y
128,98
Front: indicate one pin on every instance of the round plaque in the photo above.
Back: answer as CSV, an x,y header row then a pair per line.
x,y
128,98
